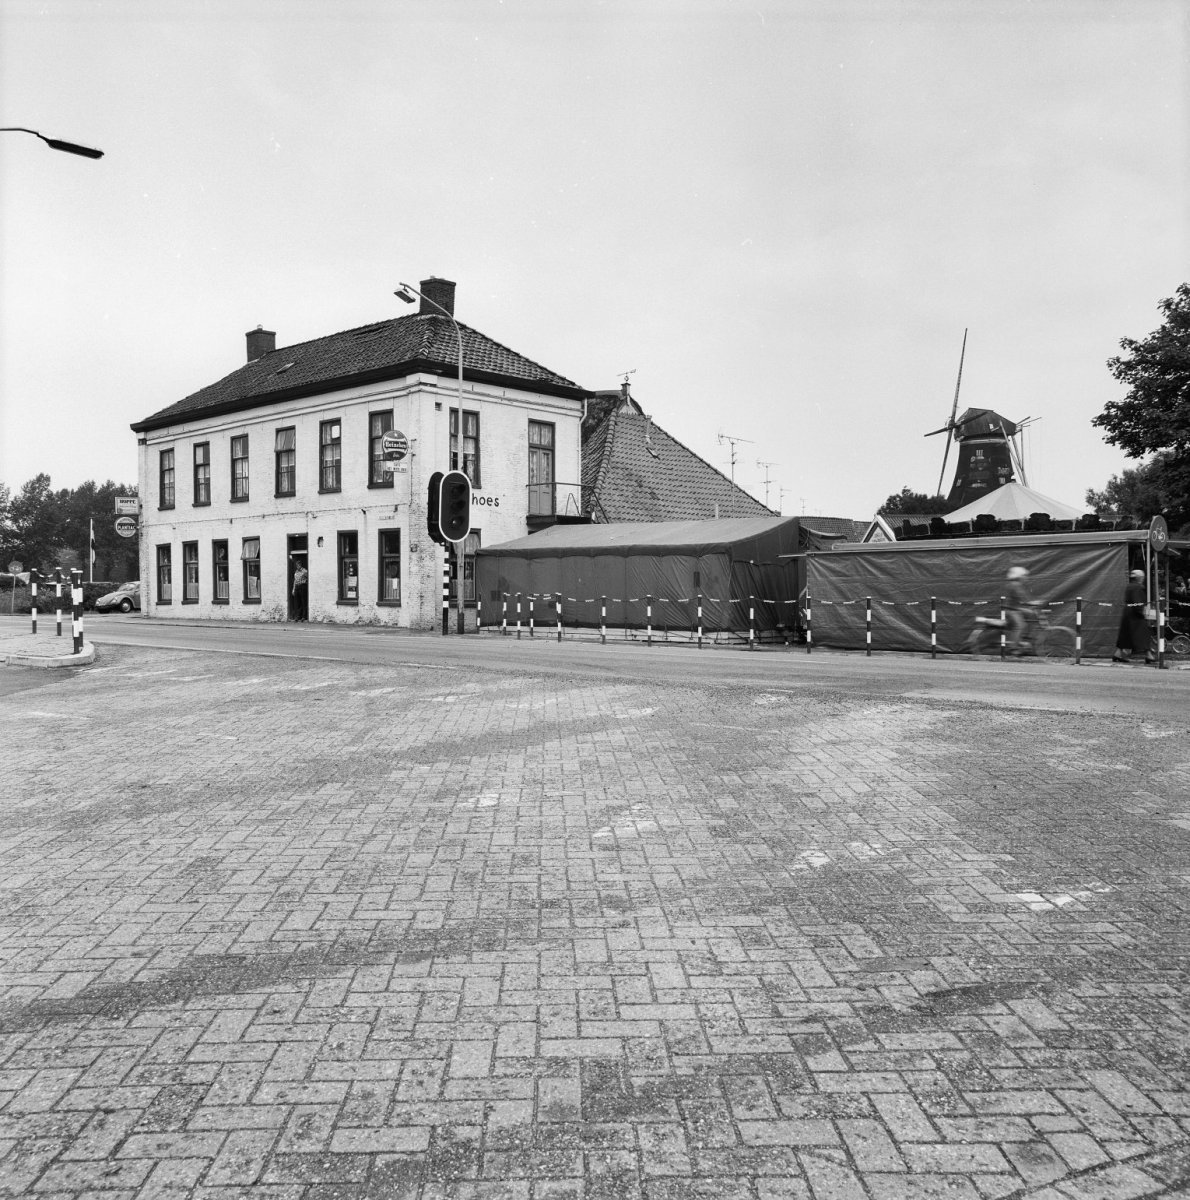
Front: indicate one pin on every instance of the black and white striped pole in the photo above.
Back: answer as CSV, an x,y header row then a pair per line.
x,y
76,602
446,593
58,599
34,579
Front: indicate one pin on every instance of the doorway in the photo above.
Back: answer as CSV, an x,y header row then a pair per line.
x,y
297,587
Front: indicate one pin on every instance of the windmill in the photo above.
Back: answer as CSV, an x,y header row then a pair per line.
x,y
989,448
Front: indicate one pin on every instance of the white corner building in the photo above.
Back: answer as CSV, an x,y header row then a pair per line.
x,y
283,464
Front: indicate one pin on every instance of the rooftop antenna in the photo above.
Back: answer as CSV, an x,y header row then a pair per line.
x,y
767,481
724,437
781,494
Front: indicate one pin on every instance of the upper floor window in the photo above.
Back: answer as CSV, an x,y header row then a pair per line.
x,y
470,462
239,467
202,473
286,456
166,485
330,455
541,468
379,423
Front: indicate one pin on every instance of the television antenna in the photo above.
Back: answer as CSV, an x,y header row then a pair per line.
x,y
767,480
725,437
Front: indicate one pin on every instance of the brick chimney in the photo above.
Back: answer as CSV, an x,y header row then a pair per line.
x,y
261,341
441,291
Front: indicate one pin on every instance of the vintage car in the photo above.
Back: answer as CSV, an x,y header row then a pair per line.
x,y
124,599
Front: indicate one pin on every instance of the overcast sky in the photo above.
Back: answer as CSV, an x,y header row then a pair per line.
x,y
780,216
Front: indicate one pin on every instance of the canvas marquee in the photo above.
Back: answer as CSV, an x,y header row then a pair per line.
x,y
734,564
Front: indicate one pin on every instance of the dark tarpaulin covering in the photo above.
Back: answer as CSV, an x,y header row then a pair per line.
x,y
727,561
900,584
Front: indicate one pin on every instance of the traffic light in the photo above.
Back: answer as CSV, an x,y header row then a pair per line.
x,y
454,506
435,495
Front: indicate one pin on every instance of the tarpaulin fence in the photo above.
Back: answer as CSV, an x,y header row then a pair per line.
x,y
753,619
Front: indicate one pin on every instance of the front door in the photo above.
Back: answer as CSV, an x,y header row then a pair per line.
x,y
299,595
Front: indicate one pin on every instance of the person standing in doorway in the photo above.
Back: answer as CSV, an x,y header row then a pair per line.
x,y
301,581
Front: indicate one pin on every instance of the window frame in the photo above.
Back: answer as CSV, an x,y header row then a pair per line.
x,y
335,444
551,483
235,460
190,595
246,564
378,477
202,475
342,558
216,563
383,557
278,490
165,573
471,545
166,479
457,464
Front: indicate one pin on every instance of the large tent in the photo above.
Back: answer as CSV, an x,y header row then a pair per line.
x,y
746,571
1014,502
965,577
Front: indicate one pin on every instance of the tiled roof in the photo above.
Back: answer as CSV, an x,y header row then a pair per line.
x,y
384,350
635,471
843,528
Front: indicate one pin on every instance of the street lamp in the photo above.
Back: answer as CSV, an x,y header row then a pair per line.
x,y
406,292
55,143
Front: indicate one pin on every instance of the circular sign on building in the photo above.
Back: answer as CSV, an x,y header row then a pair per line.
x,y
1158,533
394,445
126,527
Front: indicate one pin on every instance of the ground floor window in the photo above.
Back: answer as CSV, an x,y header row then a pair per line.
x,y
250,561
220,573
348,567
470,546
390,567
189,572
165,575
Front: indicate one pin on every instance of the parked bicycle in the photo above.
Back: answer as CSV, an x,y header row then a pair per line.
x,y
1053,643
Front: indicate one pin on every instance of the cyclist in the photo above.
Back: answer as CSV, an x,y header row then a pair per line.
x,y
1018,607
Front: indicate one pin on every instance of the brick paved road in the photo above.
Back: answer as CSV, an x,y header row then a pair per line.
x,y
290,930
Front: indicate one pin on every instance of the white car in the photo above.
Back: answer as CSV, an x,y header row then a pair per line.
x,y
124,599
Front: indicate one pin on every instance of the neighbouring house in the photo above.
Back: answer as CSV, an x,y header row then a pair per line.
x,y
282,463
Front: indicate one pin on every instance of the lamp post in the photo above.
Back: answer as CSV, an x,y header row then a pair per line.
x,y
56,143
406,292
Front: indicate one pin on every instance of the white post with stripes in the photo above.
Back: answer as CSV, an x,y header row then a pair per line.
x,y
76,599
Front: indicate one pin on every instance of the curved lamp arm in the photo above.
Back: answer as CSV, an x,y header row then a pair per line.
x,y
56,143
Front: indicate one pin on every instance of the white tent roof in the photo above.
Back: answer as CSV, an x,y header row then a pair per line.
x,y
1014,502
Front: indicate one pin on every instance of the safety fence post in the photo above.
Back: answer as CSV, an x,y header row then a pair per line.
x,y
649,619
518,616
504,615
478,612
531,599
58,599
34,579
1078,629
76,598
751,622
1003,628
700,620
1160,631
603,622
446,594
809,628
933,626
868,627
558,602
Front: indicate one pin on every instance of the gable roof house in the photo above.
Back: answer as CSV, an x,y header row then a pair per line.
x,y
634,471
282,463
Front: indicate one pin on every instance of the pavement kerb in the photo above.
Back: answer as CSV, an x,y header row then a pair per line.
x,y
29,658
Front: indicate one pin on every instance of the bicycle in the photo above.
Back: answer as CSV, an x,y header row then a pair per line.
x,y
1052,643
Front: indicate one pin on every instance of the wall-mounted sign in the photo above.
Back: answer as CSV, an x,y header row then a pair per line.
x,y
126,526
127,506
394,445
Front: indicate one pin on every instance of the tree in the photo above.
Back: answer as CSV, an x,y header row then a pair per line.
x,y
914,503
92,504
33,530
1154,416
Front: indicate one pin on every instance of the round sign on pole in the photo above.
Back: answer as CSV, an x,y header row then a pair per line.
x,y
126,527
1158,533
394,445
16,566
